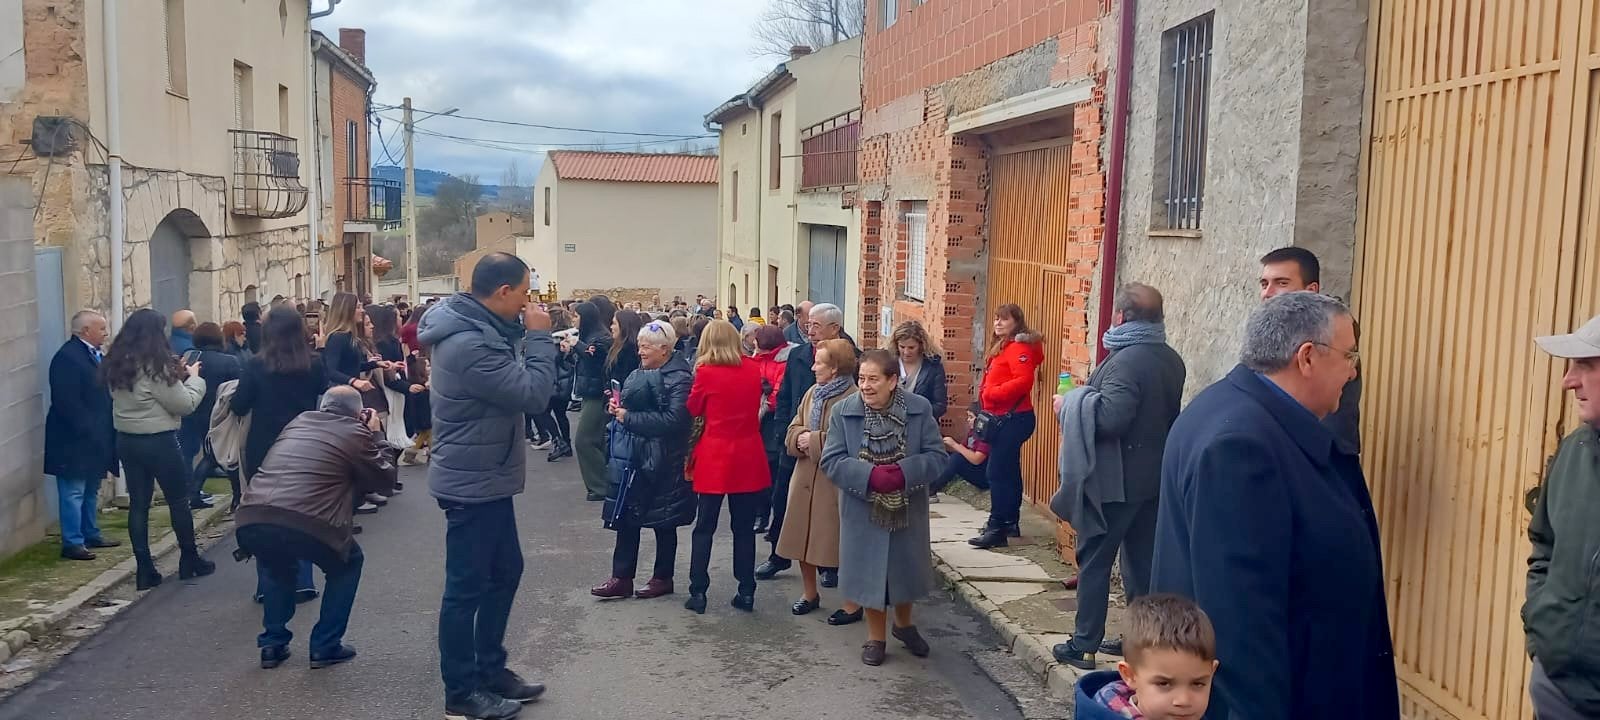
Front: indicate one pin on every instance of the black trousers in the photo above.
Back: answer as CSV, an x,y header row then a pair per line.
x,y
625,558
148,460
1130,528
742,509
782,471
553,424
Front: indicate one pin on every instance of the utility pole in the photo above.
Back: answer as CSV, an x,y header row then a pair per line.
x,y
411,207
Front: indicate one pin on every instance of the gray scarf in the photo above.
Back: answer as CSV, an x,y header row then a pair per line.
x,y
820,397
1136,332
885,444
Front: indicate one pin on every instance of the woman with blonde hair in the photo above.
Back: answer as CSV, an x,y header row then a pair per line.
x,y
727,461
810,533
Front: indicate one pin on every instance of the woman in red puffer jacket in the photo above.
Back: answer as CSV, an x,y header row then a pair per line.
x,y
1013,369
772,355
727,460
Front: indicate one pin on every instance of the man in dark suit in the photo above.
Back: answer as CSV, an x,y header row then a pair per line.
x,y
1294,269
79,441
1266,522
1140,391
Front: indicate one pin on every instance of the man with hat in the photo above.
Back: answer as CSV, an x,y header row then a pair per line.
x,y
1565,684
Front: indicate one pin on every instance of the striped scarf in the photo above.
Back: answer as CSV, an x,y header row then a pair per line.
x,y
885,444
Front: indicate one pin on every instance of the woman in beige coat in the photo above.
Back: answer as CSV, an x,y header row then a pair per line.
x,y
810,533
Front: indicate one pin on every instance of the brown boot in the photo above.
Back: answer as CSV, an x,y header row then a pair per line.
x,y
874,652
613,589
654,589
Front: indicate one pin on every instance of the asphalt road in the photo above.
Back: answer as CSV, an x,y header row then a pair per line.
x,y
187,651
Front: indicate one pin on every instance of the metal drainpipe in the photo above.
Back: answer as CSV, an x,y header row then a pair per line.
x,y
117,219
1119,152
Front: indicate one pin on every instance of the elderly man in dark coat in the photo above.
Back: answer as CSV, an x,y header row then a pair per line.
x,y
489,372
80,445
1266,522
1138,391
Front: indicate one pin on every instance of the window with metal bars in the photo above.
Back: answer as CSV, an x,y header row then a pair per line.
x,y
1180,174
916,220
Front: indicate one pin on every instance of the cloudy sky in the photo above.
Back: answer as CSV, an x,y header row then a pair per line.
x,y
646,66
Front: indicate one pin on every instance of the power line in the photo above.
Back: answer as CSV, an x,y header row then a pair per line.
x,y
539,126
526,146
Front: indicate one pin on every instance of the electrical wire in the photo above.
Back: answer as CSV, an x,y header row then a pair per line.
x,y
515,123
522,143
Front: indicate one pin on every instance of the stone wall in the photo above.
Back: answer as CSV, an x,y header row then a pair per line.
x,y
1281,161
24,505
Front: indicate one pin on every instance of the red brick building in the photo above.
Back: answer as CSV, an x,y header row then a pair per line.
x,y
355,205
982,182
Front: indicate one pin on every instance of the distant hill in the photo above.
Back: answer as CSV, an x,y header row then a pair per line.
x,y
428,181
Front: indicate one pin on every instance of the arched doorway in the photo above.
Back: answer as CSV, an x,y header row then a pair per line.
x,y
170,264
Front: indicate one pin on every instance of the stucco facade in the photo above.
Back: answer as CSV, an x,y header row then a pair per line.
x,y
177,103
1283,141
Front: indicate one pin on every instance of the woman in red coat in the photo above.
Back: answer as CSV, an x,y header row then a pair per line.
x,y
728,460
1007,394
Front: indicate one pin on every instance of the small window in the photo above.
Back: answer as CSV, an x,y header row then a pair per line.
x,y
547,213
917,251
891,13
570,247
174,45
747,288
283,112
243,97
1180,167
734,199
744,128
777,151
352,150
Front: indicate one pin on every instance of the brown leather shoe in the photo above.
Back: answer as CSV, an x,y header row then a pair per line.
x,y
912,639
874,652
613,589
654,589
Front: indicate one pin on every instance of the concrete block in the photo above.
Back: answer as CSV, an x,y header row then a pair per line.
x,y
17,639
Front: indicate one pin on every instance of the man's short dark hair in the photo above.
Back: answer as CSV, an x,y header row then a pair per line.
x,y
1310,267
496,270
1168,622
787,307
1139,302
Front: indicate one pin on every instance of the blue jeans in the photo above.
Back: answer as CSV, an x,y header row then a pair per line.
x,y
303,580
958,467
482,569
278,551
79,504
1005,469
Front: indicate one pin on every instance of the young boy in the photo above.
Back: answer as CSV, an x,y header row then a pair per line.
x,y
966,461
1170,661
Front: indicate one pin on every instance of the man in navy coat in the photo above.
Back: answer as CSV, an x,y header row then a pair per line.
x,y
1267,524
79,441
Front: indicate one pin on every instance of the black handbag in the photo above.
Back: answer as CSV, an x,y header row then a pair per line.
x,y
986,425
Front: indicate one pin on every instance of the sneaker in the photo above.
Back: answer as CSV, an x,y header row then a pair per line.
x,y
366,508
512,687
481,705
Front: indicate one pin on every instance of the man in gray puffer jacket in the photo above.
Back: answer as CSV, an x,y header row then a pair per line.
x,y
489,373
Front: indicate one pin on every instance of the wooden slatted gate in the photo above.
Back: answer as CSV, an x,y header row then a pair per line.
x,y
1479,212
1027,258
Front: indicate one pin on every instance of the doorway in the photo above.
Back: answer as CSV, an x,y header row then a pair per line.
x,y
170,265
826,264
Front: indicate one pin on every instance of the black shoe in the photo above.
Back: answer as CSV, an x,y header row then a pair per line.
x,y
146,577
840,617
191,565
989,539
355,529
101,543
912,639
1112,647
744,602
696,603
563,449
761,524
482,705
512,687
593,497
76,552
274,656
1066,655
1014,531
340,654
804,606
829,577
306,595
770,569
201,504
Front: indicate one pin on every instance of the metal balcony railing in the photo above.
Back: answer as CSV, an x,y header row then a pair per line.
x,y
374,201
266,175
828,152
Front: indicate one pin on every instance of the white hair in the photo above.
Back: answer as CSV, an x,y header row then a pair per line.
x,y
659,333
341,400
826,314
82,318
1280,326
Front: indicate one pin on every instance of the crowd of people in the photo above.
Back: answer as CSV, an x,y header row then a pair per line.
x,y
1247,538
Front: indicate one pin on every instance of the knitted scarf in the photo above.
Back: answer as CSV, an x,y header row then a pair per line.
x,y
1137,332
820,397
885,444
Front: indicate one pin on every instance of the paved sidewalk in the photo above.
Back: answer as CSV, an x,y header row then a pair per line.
x,y
1018,589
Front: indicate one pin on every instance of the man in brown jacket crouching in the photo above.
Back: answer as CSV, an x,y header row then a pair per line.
x,y
298,507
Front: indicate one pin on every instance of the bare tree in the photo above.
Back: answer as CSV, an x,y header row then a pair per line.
x,y
812,23
516,194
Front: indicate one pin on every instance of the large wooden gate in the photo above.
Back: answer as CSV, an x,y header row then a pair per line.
x,y
1479,211
1027,258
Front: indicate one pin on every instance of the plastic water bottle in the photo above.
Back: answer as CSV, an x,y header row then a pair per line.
x,y
1064,383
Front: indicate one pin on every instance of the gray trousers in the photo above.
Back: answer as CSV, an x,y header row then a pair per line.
x,y
1130,528
1548,701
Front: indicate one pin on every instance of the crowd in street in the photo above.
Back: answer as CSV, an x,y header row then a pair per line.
x,y
1246,535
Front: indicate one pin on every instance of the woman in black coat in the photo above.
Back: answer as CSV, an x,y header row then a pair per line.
x,y
217,366
590,386
649,443
921,367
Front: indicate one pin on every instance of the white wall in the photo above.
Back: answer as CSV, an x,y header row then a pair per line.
x,y
638,235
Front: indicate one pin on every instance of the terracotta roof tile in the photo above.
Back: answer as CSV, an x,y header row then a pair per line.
x,y
634,167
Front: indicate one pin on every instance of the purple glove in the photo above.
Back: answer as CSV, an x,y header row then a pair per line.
x,y
886,479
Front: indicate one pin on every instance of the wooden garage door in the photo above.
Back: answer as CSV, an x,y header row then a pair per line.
x,y
1027,258
1478,189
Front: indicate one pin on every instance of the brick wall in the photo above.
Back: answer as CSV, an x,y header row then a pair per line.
x,y
24,511
937,60
348,96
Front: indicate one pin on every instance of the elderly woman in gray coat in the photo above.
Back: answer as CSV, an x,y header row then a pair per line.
x,y
884,451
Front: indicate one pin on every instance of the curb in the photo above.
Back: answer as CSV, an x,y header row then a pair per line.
x,y
17,633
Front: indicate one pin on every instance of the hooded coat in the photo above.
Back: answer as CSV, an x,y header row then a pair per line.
x,y
652,442
488,374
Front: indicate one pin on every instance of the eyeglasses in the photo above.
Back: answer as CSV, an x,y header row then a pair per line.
x,y
1353,355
